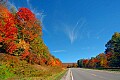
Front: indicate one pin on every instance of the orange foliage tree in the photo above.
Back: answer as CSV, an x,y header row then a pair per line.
x,y
103,60
8,31
29,29
28,23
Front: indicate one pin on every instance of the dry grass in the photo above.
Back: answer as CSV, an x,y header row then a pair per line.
x,y
12,68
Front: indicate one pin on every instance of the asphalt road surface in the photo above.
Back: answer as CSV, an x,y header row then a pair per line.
x,y
89,74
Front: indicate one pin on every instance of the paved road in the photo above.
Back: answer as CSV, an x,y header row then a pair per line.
x,y
88,74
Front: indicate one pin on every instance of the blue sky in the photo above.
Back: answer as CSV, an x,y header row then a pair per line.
x,y
74,29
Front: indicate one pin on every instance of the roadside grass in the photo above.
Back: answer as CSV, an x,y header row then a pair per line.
x,y
57,76
109,69
5,72
106,69
53,73
31,72
12,68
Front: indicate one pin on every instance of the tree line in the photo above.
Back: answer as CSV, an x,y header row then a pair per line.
x,y
109,59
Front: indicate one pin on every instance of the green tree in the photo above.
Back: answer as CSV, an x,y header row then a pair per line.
x,y
113,46
80,63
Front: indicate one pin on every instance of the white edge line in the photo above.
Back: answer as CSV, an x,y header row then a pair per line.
x,y
72,76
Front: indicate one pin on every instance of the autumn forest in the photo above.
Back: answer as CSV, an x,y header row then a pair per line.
x,y
109,59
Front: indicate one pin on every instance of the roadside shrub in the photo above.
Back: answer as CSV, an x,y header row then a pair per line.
x,y
5,72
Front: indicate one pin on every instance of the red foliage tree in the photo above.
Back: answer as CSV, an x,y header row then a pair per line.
x,y
96,60
85,62
109,55
8,31
25,14
11,47
29,26
28,22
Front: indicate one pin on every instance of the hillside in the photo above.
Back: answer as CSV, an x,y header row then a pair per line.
x,y
22,49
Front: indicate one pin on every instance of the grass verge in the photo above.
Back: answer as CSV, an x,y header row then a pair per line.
x,y
57,76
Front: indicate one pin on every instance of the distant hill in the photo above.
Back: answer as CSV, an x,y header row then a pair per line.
x,y
69,65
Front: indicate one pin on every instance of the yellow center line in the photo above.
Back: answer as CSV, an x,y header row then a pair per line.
x,y
98,76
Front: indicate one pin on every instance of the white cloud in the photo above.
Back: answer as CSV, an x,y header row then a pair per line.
x,y
73,32
57,51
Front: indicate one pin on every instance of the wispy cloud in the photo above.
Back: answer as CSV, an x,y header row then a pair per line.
x,y
73,32
57,51
11,5
28,3
39,14
99,33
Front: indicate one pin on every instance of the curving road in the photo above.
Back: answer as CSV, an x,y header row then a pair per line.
x,y
89,74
